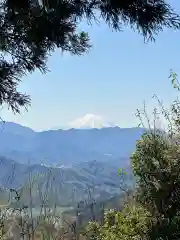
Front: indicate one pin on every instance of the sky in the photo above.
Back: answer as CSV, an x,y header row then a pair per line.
x,y
112,81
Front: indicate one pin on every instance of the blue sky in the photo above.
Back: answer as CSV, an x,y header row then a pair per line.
x,y
112,81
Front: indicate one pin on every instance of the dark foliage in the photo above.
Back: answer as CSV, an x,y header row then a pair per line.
x,y
156,164
31,30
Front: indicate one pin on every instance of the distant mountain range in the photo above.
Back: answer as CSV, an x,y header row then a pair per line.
x,y
65,165
66,185
66,147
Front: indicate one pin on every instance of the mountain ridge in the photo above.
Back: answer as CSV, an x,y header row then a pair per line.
x,y
67,146
8,124
76,182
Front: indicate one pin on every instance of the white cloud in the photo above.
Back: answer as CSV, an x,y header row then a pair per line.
x,y
90,121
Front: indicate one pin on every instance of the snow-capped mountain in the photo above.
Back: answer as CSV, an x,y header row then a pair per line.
x,y
90,121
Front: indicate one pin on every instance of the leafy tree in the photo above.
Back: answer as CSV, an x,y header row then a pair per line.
x,y
155,213
156,166
30,30
132,223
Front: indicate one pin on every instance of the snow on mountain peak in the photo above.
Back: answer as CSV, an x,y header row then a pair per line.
x,y
90,121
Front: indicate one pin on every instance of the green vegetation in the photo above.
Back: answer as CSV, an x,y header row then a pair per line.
x,y
154,212
131,223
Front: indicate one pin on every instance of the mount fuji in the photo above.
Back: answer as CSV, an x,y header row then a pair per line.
x,y
90,121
